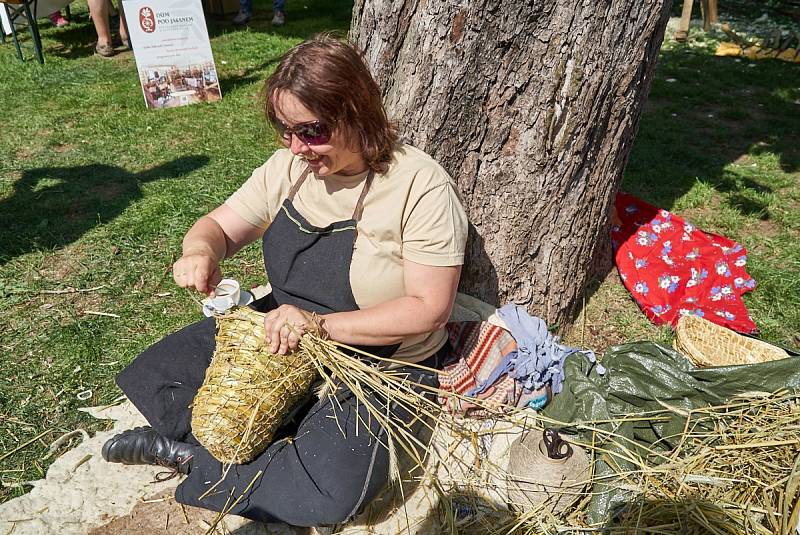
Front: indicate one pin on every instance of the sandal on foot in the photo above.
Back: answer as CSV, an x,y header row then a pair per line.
x,y
105,51
121,44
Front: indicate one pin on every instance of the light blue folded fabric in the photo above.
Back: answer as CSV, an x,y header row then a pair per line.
x,y
540,357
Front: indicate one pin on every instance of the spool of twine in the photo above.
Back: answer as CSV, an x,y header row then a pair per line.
x,y
533,477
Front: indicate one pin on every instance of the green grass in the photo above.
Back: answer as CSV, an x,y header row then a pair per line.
x,y
96,193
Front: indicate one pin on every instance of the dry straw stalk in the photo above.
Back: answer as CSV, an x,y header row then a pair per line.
x,y
736,470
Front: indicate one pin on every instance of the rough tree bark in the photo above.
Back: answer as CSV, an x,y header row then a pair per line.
x,y
532,106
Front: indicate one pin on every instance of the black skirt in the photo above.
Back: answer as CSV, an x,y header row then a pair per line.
x,y
323,466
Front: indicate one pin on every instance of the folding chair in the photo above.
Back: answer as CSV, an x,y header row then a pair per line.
x,y
23,13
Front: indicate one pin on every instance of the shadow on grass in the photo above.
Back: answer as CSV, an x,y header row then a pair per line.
x,y
706,113
74,41
303,19
251,75
54,206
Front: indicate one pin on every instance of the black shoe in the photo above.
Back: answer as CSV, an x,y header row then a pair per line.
x,y
143,445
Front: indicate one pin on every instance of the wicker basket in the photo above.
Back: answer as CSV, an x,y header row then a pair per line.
x,y
708,344
247,391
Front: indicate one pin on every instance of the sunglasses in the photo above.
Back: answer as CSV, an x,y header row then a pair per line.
x,y
311,133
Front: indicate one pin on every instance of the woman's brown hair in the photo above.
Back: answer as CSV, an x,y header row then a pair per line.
x,y
332,80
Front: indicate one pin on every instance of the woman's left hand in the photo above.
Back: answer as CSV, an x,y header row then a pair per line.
x,y
280,337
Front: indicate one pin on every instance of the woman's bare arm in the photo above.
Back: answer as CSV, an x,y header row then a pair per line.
x,y
426,307
215,236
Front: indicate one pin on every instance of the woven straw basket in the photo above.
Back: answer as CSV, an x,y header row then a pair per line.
x,y
708,344
247,390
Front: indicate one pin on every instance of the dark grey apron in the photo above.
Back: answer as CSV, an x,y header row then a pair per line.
x,y
308,266
321,476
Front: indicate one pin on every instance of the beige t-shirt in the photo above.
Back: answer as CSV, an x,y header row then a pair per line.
x,y
413,212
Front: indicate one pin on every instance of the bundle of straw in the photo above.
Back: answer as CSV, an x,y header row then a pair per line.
x,y
708,344
247,390
736,469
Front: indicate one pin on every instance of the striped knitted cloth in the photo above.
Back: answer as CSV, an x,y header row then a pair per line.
x,y
478,350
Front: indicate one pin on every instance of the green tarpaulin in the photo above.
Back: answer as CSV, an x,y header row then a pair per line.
x,y
643,377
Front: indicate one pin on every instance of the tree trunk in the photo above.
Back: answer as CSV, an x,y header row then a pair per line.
x,y
532,106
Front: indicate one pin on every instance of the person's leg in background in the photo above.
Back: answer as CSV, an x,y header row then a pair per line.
x,y
58,20
245,12
99,10
123,27
278,15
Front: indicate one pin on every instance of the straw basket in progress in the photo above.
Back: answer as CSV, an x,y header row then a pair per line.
x,y
708,344
247,390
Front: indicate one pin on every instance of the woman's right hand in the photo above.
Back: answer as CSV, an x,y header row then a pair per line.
x,y
197,270
217,235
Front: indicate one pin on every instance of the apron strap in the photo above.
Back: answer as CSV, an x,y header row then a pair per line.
x,y
296,185
359,205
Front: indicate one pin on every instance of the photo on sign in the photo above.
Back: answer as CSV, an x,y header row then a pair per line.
x,y
167,86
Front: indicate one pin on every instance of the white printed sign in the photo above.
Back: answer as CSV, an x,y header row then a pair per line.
x,y
173,53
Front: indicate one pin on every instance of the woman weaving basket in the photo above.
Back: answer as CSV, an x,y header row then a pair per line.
x,y
363,237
